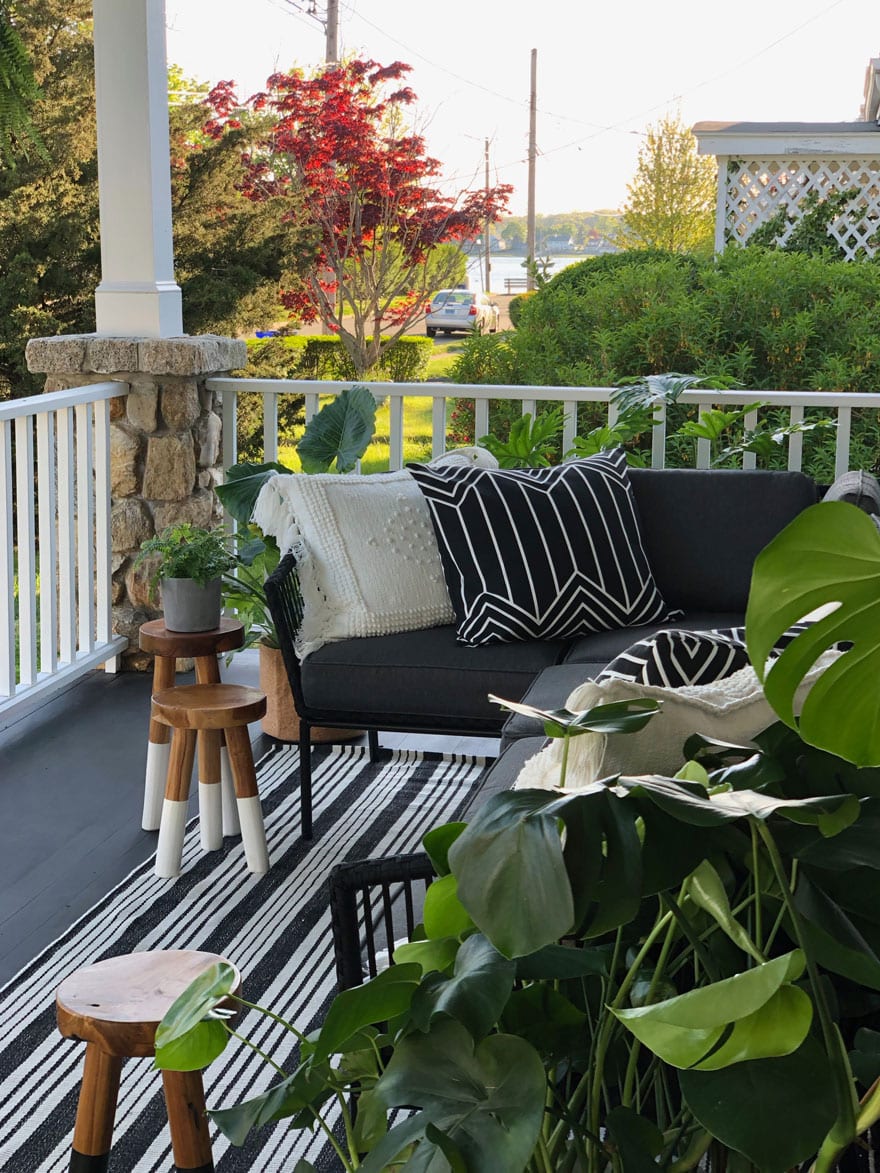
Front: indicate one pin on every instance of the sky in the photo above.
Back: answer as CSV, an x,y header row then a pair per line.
x,y
604,73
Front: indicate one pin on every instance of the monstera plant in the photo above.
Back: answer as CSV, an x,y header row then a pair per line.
x,y
829,558
644,974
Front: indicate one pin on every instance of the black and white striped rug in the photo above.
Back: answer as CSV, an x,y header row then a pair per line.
x,y
276,928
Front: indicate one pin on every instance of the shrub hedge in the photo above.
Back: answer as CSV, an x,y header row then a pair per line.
x,y
765,318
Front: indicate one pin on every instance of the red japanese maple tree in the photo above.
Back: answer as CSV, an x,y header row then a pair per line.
x,y
341,139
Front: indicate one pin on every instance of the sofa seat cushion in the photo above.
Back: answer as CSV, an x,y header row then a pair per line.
x,y
422,678
541,553
602,647
504,772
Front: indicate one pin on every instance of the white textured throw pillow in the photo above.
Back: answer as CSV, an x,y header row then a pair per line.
x,y
733,709
366,553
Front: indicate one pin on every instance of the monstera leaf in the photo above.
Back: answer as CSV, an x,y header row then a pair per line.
x,y
829,554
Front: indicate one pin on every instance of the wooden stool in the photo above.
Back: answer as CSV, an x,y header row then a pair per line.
x,y
167,647
115,1007
203,711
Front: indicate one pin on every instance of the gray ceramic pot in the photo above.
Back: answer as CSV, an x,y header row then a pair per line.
x,y
190,607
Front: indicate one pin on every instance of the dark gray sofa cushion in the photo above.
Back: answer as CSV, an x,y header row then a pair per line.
x,y
426,674
703,529
503,773
603,646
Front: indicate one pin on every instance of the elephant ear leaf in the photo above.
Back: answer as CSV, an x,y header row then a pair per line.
x,y
829,554
340,433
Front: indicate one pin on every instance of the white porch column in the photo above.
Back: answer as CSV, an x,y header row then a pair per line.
x,y
137,296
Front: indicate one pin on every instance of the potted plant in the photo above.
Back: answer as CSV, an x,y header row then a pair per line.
x,y
648,973
189,562
336,437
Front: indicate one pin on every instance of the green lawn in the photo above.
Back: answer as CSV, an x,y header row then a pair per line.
x,y
416,419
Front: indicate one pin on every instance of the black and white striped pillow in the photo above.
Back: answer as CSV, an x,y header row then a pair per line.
x,y
674,659
541,553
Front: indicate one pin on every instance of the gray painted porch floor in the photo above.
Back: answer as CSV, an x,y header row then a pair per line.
x,y
71,787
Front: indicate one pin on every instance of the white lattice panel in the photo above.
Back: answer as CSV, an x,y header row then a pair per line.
x,y
758,188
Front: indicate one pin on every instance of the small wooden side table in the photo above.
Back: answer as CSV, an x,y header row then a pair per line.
x,y
115,1006
167,647
198,713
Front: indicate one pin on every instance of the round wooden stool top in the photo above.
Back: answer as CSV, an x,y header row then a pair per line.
x,y
118,1003
156,638
208,706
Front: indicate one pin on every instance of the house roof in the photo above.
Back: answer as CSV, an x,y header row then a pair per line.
x,y
759,139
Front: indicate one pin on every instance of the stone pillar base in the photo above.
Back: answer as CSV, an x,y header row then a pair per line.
x,y
165,446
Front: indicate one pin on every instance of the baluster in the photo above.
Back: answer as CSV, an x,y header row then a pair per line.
x,y
270,427
27,570
85,527
481,418
7,563
395,432
46,521
312,403
750,422
103,592
844,429
658,437
704,447
796,440
438,425
569,425
65,455
229,409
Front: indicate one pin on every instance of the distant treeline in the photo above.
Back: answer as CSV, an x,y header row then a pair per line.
x,y
583,229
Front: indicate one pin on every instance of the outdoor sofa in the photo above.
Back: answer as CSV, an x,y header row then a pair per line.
x,y
701,531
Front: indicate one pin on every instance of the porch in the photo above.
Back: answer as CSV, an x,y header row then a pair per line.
x,y
74,739
73,770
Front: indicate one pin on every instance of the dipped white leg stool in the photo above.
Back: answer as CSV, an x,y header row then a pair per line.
x,y
199,714
167,647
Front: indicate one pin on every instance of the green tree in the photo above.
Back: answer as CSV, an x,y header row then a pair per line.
x,y
513,232
370,194
231,257
18,91
49,249
672,195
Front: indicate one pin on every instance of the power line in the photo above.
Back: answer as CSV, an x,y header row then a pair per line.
x,y
620,125
470,82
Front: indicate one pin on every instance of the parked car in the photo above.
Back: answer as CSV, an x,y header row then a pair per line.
x,y
453,310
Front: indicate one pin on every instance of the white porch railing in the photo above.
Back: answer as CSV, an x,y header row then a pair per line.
x,y
54,543
838,406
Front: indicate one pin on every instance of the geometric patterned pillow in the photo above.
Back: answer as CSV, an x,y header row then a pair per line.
x,y
541,553
675,659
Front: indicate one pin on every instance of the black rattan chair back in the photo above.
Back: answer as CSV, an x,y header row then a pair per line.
x,y
373,904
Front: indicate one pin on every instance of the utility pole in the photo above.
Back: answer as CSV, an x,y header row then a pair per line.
x,y
331,54
486,246
533,151
330,22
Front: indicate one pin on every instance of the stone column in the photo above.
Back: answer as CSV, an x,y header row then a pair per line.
x,y
165,446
